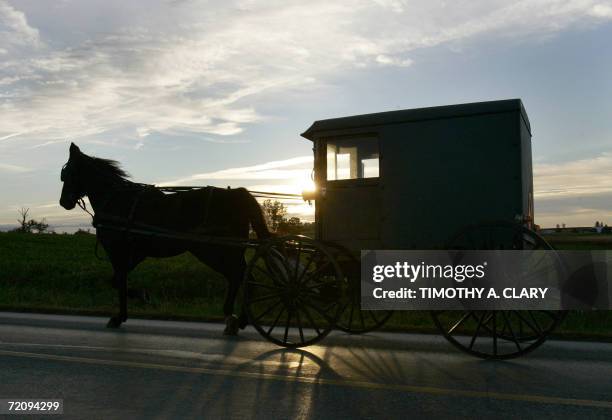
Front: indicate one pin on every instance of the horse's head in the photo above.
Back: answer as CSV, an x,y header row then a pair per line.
x,y
73,190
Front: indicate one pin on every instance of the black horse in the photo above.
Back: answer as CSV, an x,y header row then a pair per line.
x,y
124,210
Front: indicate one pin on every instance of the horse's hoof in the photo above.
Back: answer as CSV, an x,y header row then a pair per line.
x,y
243,321
114,322
231,325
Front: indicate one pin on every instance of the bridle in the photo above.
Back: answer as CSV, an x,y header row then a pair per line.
x,y
81,203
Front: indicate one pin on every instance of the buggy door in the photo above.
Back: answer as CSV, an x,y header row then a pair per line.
x,y
348,174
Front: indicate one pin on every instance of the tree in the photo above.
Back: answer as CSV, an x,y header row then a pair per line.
x,y
293,226
23,220
30,225
275,212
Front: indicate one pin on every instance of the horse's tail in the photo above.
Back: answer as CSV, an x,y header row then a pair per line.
x,y
256,216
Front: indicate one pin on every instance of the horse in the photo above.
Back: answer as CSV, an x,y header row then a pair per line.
x,y
121,205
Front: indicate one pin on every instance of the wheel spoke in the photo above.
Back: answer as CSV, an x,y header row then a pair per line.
x,y
529,324
299,322
477,330
494,333
306,267
276,320
535,322
310,320
316,308
264,285
315,285
297,263
458,323
287,326
317,271
265,297
269,274
267,311
518,346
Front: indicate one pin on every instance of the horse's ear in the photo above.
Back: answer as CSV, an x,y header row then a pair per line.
x,y
74,148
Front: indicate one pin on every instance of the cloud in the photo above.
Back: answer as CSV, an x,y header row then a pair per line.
x,y
93,72
386,60
397,6
289,176
574,178
601,10
15,30
576,192
193,67
286,170
13,168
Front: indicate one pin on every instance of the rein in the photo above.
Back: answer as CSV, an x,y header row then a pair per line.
x,y
81,203
83,206
141,187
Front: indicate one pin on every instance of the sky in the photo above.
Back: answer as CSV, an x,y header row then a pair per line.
x,y
217,92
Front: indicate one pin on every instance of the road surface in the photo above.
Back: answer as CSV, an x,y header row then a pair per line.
x,y
165,369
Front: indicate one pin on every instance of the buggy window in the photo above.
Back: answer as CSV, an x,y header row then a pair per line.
x,y
352,158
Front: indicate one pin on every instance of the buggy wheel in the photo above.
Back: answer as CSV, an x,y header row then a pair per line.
x,y
353,319
499,334
293,289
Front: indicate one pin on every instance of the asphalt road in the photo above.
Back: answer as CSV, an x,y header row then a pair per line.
x,y
163,369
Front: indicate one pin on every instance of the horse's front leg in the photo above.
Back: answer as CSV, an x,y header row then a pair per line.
x,y
120,283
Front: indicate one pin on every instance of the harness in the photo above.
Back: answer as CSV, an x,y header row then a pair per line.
x,y
95,218
129,225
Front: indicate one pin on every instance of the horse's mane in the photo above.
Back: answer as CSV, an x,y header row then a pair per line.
x,y
108,167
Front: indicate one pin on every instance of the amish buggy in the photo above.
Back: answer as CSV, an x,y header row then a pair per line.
x,y
449,177
446,177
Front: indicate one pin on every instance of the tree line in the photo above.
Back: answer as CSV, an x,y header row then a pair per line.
x,y
275,213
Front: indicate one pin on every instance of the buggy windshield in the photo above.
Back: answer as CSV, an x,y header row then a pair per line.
x,y
352,158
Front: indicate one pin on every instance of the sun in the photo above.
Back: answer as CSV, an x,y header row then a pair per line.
x,y
305,184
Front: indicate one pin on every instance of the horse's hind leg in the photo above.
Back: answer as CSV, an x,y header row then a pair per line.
x,y
233,323
243,318
230,263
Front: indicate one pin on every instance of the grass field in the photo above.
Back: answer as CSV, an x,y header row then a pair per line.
x,y
60,273
580,241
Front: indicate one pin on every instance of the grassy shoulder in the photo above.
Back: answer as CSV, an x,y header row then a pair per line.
x,y
61,274
58,273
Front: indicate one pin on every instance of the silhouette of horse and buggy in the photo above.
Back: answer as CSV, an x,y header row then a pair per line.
x,y
394,180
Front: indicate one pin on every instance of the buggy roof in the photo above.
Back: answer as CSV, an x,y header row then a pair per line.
x,y
417,114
